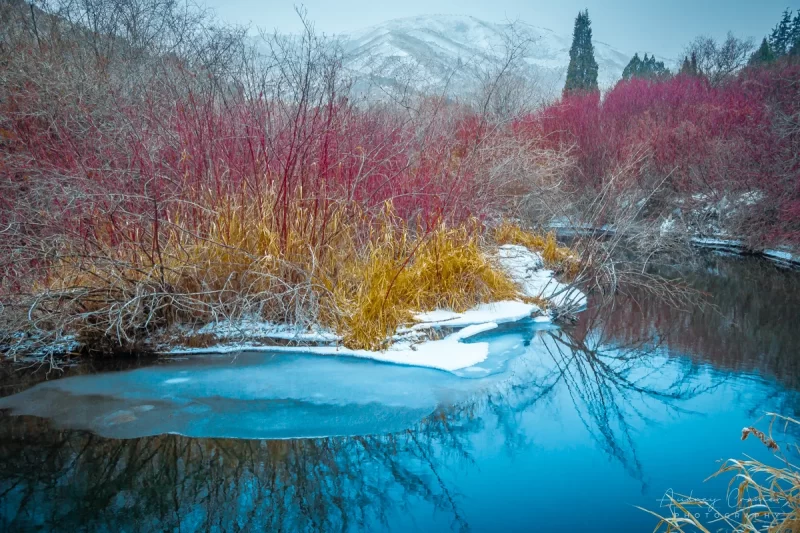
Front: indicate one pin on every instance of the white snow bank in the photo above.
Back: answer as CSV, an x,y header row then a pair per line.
x,y
777,254
526,269
445,354
496,312
782,256
716,242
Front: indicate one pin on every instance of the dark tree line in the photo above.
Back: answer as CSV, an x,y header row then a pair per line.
x,y
647,68
783,41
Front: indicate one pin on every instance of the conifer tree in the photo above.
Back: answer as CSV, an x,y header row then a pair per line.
x,y
689,67
632,68
781,38
686,66
795,41
647,68
582,70
763,55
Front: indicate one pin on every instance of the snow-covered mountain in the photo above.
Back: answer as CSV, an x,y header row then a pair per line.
x,y
450,49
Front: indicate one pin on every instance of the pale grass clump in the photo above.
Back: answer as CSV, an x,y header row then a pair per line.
x,y
358,274
767,496
557,257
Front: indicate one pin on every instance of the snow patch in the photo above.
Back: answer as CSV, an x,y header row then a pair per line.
x,y
445,354
667,226
496,312
411,345
709,242
526,269
782,256
778,254
448,353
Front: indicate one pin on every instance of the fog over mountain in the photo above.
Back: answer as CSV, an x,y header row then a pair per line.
x,y
449,51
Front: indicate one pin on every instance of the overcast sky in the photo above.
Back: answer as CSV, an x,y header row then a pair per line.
x,y
662,27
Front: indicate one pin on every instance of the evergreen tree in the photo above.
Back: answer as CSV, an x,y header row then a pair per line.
x,y
689,67
795,46
655,69
763,55
647,68
685,67
632,68
582,70
781,38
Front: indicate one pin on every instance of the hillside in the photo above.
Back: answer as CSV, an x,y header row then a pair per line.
x,y
447,49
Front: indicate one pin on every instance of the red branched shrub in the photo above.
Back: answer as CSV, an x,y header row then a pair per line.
x,y
699,139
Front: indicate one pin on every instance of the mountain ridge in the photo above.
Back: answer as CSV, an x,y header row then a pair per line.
x,y
437,47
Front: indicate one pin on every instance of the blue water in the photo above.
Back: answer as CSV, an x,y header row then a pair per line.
x,y
564,429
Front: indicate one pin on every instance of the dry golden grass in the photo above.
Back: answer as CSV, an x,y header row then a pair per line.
x,y
400,273
362,276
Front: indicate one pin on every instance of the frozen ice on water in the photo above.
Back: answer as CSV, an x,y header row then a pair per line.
x,y
274,394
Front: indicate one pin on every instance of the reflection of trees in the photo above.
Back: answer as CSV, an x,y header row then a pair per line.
x,y
64,480
611,386
748,327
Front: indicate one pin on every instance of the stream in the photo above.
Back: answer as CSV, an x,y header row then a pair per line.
x,y
560,429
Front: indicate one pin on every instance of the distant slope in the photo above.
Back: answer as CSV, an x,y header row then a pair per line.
x,y
441,49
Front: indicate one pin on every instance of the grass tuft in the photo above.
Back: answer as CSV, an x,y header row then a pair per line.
x,y
560,258
404,272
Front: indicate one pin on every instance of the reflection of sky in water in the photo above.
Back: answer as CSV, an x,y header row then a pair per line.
x,y
262,395
551,434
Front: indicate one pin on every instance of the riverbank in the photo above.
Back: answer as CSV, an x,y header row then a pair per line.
x,y
448,289
783,255
434,338
617,392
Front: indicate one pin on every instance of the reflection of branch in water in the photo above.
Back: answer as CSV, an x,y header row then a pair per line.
x,y
74,480
742,326
606,382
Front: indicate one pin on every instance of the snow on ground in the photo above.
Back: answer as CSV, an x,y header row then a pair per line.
x,y
445,354
497,312
777,254
526,268
45,346
710,242
783,256
411,345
